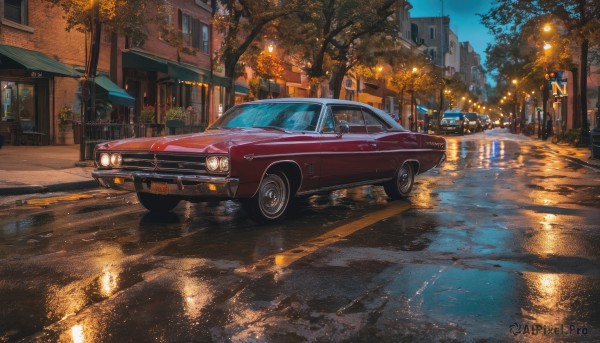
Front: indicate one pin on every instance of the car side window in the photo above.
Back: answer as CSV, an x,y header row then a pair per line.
x,y
328,123
373,123
349,115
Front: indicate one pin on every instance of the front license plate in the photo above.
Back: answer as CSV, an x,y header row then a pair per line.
x,y
159,187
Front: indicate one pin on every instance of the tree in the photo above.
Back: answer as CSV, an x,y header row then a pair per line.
x,y
580,18
327,35
268,67
242,23
126,18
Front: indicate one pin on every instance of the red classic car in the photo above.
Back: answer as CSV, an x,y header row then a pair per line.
x,y
265,152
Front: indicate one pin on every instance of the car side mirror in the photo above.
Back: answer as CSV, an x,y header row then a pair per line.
x,y
343,129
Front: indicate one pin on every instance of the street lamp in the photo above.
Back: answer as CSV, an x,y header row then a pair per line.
x,y
547,47
413,101
515,99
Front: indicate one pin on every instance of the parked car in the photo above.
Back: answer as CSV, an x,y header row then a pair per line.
x,y
485,122
266,152
452,122
472,122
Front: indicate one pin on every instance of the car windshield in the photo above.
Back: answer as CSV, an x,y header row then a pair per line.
x,y
451,116
280,116
472,116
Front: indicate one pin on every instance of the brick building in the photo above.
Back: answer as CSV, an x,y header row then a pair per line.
x,y
36,67
41,63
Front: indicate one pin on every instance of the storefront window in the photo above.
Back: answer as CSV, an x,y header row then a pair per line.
x,y
18,101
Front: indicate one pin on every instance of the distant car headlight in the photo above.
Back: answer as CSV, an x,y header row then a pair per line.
x,y
116,159
217,164
105,160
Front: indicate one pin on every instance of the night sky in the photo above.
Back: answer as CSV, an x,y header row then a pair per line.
x,y
463,19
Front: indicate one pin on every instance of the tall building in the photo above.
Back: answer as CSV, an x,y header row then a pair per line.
x,y
452,63
471,71
434,33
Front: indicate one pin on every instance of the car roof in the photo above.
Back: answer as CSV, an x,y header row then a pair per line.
x,y
323,101
331,101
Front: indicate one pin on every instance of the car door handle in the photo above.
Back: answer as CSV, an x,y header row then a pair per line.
x,y
373,144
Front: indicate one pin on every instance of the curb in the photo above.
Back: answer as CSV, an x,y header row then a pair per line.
x,y
60,187
595,166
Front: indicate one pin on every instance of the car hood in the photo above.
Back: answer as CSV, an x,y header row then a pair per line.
x,y
209,142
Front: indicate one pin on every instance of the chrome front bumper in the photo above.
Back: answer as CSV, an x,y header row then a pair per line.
x,y
176,184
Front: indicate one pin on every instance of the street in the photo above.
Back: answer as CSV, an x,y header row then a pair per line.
x,y
501,243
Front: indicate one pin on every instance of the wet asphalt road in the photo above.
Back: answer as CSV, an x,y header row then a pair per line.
x,y
500,244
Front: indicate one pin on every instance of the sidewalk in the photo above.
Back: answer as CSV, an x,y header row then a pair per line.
x,y
582,155
41,169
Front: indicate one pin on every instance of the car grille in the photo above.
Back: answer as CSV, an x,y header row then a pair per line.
x,y
161,162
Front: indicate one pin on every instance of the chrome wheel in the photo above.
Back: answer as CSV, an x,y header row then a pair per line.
x,y
402,183
405,182
272,196
271,201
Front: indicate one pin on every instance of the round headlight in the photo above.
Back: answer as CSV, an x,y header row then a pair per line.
x,y
212,163
224,164
116,159
105,160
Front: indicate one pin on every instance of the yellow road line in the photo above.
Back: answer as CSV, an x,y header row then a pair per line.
x,y
51,200
284,259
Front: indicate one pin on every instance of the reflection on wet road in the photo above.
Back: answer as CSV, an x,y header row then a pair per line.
x,y
500,243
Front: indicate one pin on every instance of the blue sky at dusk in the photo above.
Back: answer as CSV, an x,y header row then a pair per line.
x,y
463,19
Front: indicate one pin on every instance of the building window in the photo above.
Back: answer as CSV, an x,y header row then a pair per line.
x,y
16,10
432,32
205,39
163,32
186,29
195,34
432,54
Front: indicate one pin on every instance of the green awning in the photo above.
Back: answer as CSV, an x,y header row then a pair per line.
x,y
112,92
134,59
36,63
265,86
188,72
220,81
139,60
241,89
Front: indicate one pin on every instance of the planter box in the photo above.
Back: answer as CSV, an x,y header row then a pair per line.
x,y
173,124
66,137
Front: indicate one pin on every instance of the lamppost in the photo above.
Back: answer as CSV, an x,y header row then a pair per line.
x,y
516,106
270,49
545,92
413,101
545,89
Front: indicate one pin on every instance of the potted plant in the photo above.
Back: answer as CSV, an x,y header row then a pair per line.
x,y
65,126
175,118
147,114
147,118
